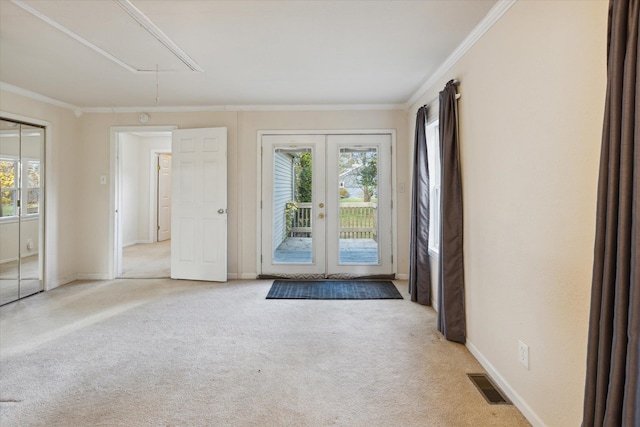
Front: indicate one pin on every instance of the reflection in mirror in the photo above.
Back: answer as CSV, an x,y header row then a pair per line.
x,y
21,227
9,225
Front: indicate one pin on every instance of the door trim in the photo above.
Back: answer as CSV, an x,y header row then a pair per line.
x,y
394,195
153,193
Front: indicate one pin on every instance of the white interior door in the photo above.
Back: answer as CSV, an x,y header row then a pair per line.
x,y
199,204
164,197
329,232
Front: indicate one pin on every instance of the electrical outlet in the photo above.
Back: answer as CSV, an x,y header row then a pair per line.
x,y
523,354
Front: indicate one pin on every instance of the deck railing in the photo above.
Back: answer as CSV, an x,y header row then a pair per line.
x,y
358,220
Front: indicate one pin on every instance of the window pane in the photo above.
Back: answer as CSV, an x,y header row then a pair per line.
x,y
33,174
33,201
8,198
8,173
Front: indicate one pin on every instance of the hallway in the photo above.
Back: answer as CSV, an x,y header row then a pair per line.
x,y
147,261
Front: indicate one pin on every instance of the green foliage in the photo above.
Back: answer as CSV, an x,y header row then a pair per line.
x,y
304,179
368,177
290,214
7,180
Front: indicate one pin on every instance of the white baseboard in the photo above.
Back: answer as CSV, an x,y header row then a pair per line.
x,y
8,260
517,400
62,282
241,276
402,277
92,276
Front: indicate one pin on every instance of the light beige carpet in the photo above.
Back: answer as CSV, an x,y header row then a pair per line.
x,y
181,353
147,260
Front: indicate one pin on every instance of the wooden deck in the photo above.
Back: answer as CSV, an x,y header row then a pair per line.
x,y
297,250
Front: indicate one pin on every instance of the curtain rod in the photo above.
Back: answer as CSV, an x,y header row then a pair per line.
x,y
456,83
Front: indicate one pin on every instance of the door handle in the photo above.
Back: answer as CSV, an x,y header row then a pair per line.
x,y
320,215
220,211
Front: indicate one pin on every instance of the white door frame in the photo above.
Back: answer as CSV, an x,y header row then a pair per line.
x,y
114,261
394,214
153,193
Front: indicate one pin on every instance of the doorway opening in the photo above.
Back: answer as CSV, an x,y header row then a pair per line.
x,y
142,201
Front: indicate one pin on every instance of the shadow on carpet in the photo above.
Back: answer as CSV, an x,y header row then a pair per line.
x,y
333,289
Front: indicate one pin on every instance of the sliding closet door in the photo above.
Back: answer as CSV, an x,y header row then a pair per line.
x,y
21,213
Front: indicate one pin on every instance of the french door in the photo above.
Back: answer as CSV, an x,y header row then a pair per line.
x,y
326,205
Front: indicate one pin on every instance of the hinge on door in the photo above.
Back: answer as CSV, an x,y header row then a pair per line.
x,y
158,167
391,259
392,204
260,204
260,259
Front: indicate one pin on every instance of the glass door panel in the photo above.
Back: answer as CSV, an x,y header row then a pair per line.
x,y
357,206
292,202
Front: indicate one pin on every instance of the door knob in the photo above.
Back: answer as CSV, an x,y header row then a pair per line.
x,y
321,205
220,211
320,215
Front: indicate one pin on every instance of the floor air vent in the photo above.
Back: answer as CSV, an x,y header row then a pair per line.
x,y
488,389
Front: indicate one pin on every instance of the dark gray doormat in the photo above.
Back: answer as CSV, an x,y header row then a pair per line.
x,y
333,289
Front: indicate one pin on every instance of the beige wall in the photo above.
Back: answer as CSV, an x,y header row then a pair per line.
x,y
531,115
62,178
243,128
81,153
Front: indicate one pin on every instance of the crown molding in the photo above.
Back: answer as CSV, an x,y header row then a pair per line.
x,y
182,109
257,107
33,95
487,22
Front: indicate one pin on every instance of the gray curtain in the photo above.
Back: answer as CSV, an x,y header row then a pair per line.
x,y
612,386
419,268
451,311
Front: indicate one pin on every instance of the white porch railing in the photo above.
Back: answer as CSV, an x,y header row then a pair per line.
x,y
358,220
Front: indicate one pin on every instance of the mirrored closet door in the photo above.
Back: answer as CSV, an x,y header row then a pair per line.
x,y
21,210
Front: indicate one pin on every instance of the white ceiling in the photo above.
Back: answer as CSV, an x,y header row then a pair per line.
x,y
91,53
